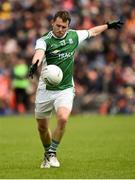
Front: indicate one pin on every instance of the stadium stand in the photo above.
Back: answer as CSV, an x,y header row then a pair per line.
x,y
104,66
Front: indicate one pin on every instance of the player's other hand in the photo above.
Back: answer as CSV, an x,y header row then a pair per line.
x,y
117,24
32,69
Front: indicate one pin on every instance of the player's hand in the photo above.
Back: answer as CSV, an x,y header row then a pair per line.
x,y
32,69
117,24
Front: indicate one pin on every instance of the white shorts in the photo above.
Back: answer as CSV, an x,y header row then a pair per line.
x,y
47,100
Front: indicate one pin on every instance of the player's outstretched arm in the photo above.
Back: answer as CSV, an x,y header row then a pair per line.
x,y
117,24
36,61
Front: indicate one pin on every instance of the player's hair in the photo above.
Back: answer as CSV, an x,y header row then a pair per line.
x,y
64,15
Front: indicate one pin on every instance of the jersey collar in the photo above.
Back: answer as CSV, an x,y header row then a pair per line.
x,y
57,37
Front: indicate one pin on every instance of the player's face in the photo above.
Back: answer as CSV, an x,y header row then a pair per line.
x,y
60,27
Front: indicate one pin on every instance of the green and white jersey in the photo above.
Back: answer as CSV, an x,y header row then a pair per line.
x,y
60,51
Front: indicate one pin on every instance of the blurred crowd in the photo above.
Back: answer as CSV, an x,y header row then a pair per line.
x,y
104,66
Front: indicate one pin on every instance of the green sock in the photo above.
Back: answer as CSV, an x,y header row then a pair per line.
x,y
53,146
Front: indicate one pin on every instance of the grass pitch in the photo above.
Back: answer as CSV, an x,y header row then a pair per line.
x,y
93,147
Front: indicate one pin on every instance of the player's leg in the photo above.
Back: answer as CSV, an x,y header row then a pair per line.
x,y
63,106
42,114
45,133
45,136
62,118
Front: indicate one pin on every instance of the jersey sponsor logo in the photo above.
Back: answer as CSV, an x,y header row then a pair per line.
x,y
65,55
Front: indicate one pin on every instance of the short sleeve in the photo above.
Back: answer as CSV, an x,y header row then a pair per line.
x,y
82,35
40,44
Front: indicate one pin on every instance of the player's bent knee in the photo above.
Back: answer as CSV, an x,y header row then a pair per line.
x,y
62,120
63,114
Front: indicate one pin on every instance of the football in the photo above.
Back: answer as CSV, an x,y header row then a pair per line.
x,y
52,75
